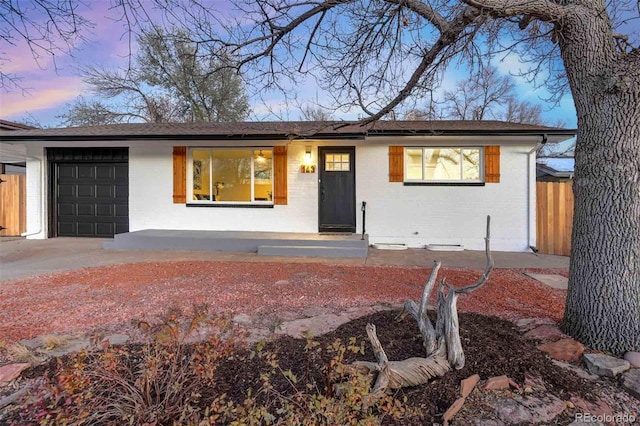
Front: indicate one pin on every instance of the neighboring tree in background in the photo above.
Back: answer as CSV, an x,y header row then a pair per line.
x,y
168,82
487,95
314,113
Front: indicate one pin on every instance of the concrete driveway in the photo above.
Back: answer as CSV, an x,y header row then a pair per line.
x,y
21,258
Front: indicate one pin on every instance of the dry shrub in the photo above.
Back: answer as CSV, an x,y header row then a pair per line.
x,y
17,352
169,381
151,384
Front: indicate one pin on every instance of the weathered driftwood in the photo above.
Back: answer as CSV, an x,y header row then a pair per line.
x,y
442,344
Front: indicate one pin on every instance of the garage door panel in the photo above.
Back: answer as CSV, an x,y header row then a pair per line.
x,y
87,171
66,229
85,229
105,210
122,192
86,191
105,191
121,172
66,209
121,228
68,172
92,199
122,210
86,210
104,229
105,172
66,190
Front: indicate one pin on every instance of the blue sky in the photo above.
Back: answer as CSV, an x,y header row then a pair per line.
x,y
46,88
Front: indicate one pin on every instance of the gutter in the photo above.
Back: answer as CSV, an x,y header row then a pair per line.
x,y
40,162
531,192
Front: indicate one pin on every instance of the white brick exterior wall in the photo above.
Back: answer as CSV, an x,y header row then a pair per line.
x,y
151,199
414,215
420,215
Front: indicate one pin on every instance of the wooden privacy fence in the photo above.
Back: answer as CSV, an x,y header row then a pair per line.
x,y
554,217
13,211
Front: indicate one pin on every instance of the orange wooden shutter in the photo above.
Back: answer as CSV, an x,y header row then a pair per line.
x,y
396,164
280,175
492,164
179,174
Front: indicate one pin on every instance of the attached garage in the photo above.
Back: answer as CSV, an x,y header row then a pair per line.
x,y
89,190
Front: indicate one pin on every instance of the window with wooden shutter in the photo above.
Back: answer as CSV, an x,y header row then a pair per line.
x,y
396,164
492,164
280,175
179,174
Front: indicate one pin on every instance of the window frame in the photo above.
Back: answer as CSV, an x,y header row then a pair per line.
x,y
452,182
253,203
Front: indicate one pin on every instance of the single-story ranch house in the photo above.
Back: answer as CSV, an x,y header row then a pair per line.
x,y
423,182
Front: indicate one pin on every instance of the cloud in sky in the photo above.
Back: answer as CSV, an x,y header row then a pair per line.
x,y
44,95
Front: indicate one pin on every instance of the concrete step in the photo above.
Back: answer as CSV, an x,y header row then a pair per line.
x,y
231,241
311,251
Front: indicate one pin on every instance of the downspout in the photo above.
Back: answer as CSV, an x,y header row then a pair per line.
x,y
40,195
531,191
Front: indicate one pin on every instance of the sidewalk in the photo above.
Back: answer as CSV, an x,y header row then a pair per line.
x,y
22,258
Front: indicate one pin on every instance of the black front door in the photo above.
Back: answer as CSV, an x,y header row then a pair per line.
x,y
337,187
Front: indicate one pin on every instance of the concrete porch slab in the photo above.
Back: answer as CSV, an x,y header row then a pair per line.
x,y
315,245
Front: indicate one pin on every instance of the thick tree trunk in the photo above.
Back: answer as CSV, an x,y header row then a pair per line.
x,y
603,300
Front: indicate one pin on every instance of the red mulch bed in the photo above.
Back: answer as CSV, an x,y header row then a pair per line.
x,y
109,297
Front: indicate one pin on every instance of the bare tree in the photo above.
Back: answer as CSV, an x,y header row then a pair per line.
x,y
168,81
489,96
379,54
315,113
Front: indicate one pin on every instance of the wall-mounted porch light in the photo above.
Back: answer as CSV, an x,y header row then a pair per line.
x,y
307,155
307,161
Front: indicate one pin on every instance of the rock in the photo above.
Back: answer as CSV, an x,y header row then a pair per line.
x,y
70,346
356,312
633,358
546,333
527,324
486,422
11,372
563,350
631,382
314,311
453,410
581,422
528,410
116,339
242,319
499,382
315,326
552,280
579,371
605,365
598,408
468,384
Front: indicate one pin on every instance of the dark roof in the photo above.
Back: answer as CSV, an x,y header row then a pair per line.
x,y
10,125
280,129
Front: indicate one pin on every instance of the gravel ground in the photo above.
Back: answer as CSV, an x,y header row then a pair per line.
x,y
108,297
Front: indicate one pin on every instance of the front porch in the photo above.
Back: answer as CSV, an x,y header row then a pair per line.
x,y
288,244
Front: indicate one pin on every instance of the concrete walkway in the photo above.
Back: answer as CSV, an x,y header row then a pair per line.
x,y
21,258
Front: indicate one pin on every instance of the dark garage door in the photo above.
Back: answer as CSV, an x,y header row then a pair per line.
x,y
91,197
